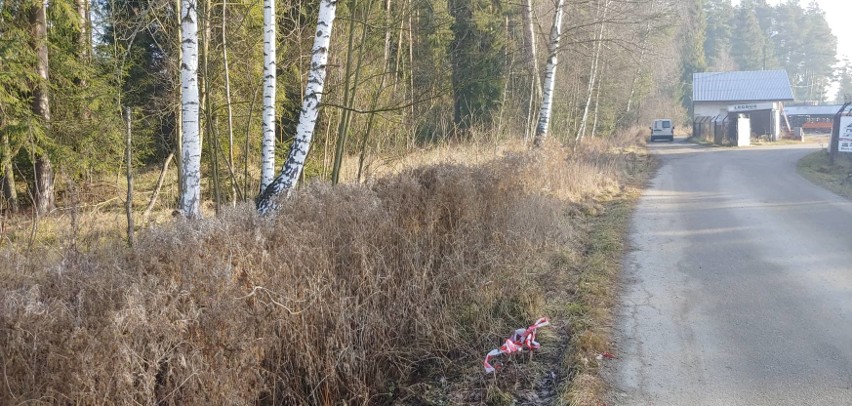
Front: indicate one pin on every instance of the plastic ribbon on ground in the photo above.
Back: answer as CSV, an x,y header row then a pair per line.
x,y
521,339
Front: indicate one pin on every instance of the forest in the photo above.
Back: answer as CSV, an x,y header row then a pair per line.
x,y
401,75
456,163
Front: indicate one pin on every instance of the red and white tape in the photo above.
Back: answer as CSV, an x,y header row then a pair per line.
x,y
521,339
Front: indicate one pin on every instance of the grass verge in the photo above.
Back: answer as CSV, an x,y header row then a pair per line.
x,y
836,178
591,310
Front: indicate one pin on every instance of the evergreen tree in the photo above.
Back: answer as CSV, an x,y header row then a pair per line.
x,y
16,121
749,41
720,15
692,54
844,82
477,53
820,54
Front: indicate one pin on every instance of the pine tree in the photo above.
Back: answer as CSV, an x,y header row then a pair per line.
x,y
692,54
16,117
477,53
717,44
45,198
844,82
820,54
748,45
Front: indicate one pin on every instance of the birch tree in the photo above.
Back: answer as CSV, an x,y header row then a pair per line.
x,y
190,198
550,76
594,70
44,193
535,81
286,180
267,166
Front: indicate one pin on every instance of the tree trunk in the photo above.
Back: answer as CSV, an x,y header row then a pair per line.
x,y
593,74
535,76
206,100
160,180
597,103
284,183
84,48
387,35
348,92
9,191
267,168
235,195
128,159
531,46
550,76
639,64
45,199
83,39
179,113
190,198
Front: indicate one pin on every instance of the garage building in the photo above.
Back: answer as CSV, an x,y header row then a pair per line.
x,y
742,98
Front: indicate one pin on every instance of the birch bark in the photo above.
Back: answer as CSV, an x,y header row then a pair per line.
x,y
44,194
535,82
550,76
190,198
267,168
286,180
593,74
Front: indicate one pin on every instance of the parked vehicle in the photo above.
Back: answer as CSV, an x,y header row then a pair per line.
x,y
662,129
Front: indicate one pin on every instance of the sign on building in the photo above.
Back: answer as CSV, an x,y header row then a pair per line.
x,y
743,107
845,144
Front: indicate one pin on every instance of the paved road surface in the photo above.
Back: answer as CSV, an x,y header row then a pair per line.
x,y
738,288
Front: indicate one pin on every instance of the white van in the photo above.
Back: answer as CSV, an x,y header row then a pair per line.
x,y
662,129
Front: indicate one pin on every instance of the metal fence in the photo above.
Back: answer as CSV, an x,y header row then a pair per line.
x,y
717,129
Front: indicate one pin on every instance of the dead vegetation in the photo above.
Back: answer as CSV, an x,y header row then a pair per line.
x,y
379,294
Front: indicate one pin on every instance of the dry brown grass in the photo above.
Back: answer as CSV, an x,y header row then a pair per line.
x,y
347,297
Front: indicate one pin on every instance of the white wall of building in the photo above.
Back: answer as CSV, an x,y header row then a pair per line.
x,y
711,109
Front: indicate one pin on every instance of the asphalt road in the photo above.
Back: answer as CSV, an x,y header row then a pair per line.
x,y
738,286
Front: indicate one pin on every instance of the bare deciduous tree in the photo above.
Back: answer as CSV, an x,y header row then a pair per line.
x,y
550,76
190,198
286,180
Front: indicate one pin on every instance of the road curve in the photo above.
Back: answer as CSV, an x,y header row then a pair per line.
x,y
738,286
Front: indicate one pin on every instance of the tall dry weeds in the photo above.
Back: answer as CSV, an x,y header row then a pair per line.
x,y
340,299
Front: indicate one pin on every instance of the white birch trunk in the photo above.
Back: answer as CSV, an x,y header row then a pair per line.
x,y
597,102
286,180
535,82
267,168
531,43
549,76
190,198
593,74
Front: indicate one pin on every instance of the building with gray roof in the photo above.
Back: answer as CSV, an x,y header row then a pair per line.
x,y
756,95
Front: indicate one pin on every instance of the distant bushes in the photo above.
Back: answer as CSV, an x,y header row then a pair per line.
x,y
339,299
